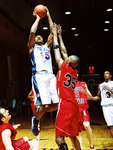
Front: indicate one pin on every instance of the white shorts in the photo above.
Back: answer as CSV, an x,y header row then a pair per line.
x,y
108,114
45,87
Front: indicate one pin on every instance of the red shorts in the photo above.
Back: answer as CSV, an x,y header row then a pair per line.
x,y
20,144
33,108
83,116
67,119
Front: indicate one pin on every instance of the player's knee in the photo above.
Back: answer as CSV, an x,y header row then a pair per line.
x,y
34,144
59,140
45,108
25,138
86,125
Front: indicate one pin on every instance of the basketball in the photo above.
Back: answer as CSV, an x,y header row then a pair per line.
x,y
40,10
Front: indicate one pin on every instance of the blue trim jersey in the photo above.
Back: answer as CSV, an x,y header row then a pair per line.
x,y
106,96
41,59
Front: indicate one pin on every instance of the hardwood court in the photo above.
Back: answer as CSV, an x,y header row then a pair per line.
x,y
101,136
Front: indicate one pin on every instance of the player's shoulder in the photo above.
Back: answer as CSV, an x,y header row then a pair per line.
x,y
111,83
101,84
46,46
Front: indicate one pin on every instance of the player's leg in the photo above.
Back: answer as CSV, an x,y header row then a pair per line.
x,y
86,124
36,119
42,94
39,114
34,144
52,107
108,113
22,143
88,129
75,143
61,143
47,90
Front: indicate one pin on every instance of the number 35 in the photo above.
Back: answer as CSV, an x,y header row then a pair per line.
x,y
70,81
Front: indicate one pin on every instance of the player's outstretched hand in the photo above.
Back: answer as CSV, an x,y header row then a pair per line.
x,y
16,126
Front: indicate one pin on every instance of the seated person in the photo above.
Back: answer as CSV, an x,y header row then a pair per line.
x,y
8,133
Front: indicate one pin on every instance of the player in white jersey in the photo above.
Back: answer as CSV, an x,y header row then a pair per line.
x,y
105,94
43,79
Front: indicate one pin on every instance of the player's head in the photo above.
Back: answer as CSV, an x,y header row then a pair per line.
x,y
4,116
39,40
72,61
107,75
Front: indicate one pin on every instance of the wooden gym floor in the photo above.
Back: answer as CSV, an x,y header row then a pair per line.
x,y
101,136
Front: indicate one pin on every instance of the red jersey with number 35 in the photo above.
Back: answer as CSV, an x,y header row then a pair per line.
x,y
67,83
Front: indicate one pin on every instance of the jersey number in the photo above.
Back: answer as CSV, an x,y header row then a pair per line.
x,y
46,55
70,82
108,94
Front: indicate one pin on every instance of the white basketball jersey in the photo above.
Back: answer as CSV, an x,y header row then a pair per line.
x,y
106,96
41,59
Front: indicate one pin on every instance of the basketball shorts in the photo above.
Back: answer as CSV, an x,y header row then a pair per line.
x,y
44,87
67,119
20,144
108,114
83,116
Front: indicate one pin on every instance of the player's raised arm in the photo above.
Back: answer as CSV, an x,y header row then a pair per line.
x,y
33,30
62,46
49,20
58,58
50,37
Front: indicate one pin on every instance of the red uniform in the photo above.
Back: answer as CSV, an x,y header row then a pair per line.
x,y
32,103
67,114
19,144
81,98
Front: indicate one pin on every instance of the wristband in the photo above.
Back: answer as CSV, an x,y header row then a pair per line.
x,y
56,46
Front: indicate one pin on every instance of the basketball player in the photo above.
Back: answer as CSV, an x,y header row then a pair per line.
x,y
67,114
105,94
43,79
8,133
82,94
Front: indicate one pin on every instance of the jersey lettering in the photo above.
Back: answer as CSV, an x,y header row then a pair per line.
x,y
77,95
70,81
80,101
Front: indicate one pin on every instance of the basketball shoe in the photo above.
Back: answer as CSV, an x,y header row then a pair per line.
x,y
35,127
92,148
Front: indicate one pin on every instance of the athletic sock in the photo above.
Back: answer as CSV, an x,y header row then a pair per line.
x,y
63,146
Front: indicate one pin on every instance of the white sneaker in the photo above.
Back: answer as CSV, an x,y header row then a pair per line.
x,y
92,148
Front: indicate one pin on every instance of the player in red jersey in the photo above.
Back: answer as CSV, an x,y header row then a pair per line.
x,y
67,113
82,94
31,97
8,133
